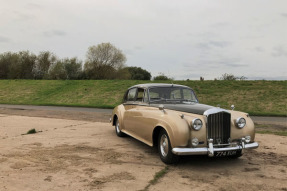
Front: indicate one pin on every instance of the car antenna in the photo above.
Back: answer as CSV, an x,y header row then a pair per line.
x,y
170,78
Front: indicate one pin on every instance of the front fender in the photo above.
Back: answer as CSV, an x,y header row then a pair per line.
x,y
118,112
249,128
176,128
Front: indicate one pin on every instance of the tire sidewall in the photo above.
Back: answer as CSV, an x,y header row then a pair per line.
x,y
117,129
170,158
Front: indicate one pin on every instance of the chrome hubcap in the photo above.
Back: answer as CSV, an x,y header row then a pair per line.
x,y
118,127
164,145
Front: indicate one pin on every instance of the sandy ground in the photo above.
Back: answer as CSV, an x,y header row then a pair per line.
x,y
83,154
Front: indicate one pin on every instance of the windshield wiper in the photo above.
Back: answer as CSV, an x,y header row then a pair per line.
x,y
188,101
157,100
172,100
166,100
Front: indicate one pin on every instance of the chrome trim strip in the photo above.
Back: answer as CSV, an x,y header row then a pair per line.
x,y
252,145
214,110
190,151
207,151
210,148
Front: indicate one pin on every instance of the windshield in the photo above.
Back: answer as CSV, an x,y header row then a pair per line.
x,y
171,95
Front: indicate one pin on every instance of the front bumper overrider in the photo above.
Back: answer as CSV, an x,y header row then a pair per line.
x,y
242,145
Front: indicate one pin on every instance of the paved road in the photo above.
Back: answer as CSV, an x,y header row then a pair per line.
x,y
55,108
256,119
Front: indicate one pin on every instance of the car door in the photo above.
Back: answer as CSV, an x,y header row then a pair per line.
x,y
139,125
129,105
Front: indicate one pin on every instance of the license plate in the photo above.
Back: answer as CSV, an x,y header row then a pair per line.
x,y
225,153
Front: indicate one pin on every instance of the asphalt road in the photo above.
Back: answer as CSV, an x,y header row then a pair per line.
x,y
256,119
55,108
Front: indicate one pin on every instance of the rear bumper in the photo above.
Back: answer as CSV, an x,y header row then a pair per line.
x,y
210,150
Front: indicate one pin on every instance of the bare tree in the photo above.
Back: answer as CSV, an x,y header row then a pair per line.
x,y
57,71
73,68
227,77
5,60
43,63
17,65
103,60
231,77
242,78
25,64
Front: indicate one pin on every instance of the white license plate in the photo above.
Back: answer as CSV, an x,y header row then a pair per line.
x,y
225,153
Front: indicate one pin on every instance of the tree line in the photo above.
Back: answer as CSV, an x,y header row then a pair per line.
x,y
103,61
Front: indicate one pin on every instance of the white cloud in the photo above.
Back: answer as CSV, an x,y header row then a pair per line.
x,y
212,37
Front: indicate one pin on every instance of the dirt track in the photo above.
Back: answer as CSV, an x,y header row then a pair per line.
x,y
86,155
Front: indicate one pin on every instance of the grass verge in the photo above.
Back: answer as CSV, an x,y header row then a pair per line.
x,y
264,98
280,130
281,133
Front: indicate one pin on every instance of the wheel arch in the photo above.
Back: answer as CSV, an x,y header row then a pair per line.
x,y
115,117
155,134
178,133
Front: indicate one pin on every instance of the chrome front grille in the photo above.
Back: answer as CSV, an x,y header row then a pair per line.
x,y
218,127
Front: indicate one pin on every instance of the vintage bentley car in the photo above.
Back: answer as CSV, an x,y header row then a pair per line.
x,y
170,117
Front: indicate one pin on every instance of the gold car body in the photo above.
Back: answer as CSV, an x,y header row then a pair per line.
x,y
142,120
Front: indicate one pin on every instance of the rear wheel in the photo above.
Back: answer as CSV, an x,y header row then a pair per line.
x,y
117,128
165,150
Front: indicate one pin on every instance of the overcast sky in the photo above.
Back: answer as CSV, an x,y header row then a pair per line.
x,y
183,39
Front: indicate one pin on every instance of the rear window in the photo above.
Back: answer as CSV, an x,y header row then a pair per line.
x,y
131,94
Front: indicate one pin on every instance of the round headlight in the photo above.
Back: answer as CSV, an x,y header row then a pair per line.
x,y
240,122
196,124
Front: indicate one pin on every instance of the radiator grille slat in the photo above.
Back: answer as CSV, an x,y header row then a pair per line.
x,y
218,127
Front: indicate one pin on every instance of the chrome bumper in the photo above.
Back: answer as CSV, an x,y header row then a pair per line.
x,y
210,150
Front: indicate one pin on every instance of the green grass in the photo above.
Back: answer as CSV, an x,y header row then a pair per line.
x,y
266,98
158,175
32,131
281,133
274,129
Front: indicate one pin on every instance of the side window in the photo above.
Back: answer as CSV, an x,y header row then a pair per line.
x,y
153,95
140,94
132,94
175,94
187,94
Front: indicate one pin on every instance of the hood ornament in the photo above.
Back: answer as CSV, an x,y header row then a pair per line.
x,y
232,107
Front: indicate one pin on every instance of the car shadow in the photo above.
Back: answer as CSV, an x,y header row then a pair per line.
x,y
187,161
208,161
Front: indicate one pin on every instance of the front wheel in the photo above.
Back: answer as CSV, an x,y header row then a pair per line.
x,y
117,128
164,149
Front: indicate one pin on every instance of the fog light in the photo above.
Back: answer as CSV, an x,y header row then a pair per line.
x,y
194,142
247,139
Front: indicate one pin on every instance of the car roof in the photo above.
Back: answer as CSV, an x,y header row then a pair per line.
x,y
149,85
